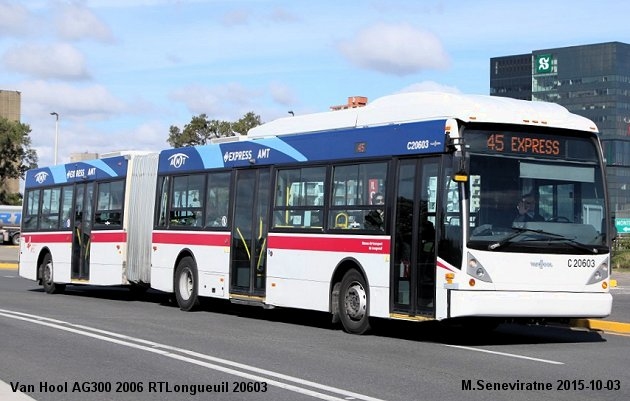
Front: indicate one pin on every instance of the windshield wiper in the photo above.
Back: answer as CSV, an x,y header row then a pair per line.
x,y
575,244
519,231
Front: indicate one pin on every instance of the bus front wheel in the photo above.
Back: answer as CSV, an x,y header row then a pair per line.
x,y
186,284
46,274
353,303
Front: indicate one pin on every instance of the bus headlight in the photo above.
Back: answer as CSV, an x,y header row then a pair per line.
x,y
476,270
601,273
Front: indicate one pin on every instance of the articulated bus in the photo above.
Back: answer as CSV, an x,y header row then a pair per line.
x,y
418,206
89,222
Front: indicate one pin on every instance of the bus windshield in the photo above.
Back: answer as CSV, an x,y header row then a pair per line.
x,y
530,192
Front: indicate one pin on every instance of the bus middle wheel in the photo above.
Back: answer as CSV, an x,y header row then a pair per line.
x,y
46,274
353,303
186,284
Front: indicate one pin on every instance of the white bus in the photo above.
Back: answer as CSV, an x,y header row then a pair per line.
x,y
493,208
89,222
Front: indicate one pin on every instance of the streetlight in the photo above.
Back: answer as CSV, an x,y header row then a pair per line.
x,y
54,113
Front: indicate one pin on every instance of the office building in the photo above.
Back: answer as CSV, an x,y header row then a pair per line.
x,y
589,80
10,104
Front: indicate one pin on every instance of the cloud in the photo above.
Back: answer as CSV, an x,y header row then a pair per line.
x,y
223,102
282,15
398,49
59,60
426,86
76,22
236,17
89,102
14,19
248,16
282,94
151,135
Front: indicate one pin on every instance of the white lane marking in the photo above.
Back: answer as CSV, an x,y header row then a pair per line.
x,y
505,354
168,351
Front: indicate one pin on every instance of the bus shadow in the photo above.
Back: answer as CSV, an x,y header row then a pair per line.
x,y
428,331
471,335
114,293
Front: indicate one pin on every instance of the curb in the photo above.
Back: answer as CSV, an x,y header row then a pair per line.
x,y
603,325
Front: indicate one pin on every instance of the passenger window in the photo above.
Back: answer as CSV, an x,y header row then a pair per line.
x,y
186,201
217,200
109,206
299,198
49,213
358,197
31,218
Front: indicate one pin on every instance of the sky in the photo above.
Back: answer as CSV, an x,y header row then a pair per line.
x,y
119,73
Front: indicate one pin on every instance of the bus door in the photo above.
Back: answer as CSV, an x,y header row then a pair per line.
x,y
413,270
82,231
249,233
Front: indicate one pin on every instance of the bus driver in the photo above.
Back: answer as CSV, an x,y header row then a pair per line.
x,y
527,209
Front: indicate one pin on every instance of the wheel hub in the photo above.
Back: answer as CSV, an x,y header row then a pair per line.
x,y
186,284
356,302
47,273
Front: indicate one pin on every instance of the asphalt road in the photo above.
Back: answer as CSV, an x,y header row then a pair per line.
x,y
8,253
109,345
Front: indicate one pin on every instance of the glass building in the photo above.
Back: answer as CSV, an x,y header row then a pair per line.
x,y
589,80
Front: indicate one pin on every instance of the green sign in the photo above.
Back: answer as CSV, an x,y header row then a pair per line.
x,y
543,63
623,226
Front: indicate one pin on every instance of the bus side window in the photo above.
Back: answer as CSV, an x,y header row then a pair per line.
x,y
217,200
299,197
108,212
358,197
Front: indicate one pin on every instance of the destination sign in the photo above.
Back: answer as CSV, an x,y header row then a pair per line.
x,y
531,144
528,144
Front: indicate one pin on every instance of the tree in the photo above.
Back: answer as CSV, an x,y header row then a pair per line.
x,y
200,130
247,122
16,154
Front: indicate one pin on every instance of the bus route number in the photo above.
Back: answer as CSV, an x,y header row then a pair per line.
x,y
495,142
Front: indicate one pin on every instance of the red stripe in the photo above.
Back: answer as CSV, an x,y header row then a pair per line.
x,y
66,237
47,238
112,236
331,244
183,238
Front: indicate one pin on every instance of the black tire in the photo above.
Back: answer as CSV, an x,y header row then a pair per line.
x,y
186,284
46,274
15,239
353,303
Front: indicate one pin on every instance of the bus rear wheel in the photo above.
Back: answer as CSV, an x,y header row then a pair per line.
x,y
353,303
186,284
46,274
